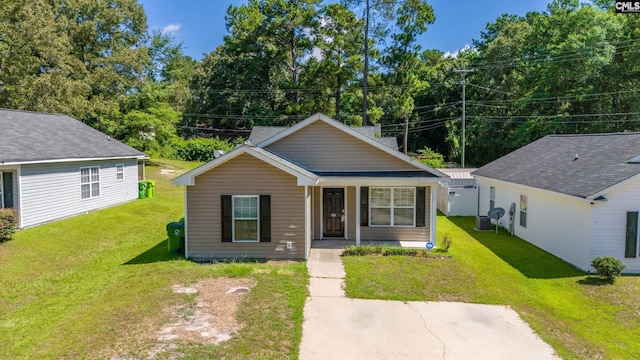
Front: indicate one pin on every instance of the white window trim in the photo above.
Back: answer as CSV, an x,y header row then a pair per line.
x,y
90,183
119,172
392,207
233,218
526,211
492,197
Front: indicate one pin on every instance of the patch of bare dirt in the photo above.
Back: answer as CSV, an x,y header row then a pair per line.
x,y
212,319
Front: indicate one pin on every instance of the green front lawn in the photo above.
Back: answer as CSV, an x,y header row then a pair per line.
x,y
581,317
99,285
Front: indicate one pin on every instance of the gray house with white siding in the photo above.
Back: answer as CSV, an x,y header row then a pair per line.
x,y
53,166
575,196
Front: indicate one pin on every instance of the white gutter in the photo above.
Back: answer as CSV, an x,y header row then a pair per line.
x,y
145,157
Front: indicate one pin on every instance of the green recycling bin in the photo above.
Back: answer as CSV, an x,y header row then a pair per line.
x,y
175,234
142,189
150,185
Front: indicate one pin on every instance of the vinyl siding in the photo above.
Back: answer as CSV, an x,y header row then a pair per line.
x,y
559,224
317,212
321,147
52,191
609,224
373,233
352,221
245,175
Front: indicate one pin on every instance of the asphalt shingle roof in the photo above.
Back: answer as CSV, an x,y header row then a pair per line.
x,y
578,165
27,136
262,133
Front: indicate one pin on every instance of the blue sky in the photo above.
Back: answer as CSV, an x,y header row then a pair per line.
x,y
200,26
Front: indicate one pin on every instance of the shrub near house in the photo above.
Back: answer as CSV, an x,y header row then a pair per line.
x,y
8,223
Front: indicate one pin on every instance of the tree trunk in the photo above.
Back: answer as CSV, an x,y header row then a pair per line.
x,y
337,96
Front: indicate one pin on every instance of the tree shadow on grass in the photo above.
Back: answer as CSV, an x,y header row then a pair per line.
x,y
530,260
157,253
593,281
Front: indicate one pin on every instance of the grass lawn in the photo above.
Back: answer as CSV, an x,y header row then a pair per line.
x,y
99,285
580,316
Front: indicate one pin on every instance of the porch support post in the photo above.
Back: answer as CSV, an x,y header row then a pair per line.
x,y
357,215
433,212
307,221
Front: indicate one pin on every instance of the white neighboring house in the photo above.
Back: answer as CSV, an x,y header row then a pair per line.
x,y
458,194
53,166
575,196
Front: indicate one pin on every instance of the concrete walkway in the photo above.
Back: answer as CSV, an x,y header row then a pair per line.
x,y
336,327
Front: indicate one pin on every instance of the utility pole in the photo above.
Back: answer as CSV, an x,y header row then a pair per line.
x,y
464,72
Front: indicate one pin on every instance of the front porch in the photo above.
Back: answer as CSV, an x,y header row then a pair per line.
x,y
341,244
373,212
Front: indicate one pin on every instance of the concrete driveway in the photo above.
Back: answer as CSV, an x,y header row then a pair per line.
x,y
336,327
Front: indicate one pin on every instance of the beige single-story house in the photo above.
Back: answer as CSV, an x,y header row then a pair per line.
x,y
316,180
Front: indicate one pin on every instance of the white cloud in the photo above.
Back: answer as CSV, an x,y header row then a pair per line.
x,y
170,29
315,53
455,54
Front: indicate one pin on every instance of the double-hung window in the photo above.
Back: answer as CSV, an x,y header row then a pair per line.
x,y
90,182
392,206
492,198
119,172
245,218
523,210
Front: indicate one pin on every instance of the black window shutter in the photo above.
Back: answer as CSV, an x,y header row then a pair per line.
x,y
364,206
227,218
631,250
420,206
265,218
7,180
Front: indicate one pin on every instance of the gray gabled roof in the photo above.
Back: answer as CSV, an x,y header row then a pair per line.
x,y
30,137
578,165
261,133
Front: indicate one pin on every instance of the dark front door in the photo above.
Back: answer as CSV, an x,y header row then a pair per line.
x,y
6,190
333,212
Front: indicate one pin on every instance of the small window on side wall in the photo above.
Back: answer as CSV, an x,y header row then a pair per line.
x,y
492,198
523,210
119,172
90,182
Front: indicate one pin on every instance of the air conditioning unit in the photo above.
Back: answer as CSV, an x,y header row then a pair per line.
x,y
483,223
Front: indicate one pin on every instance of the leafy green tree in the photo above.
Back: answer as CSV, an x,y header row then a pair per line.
x,y
430,158
402,59
339,46
76,57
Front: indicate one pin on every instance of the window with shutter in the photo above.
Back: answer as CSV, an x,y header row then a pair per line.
x,y
421,208
364,206
246,218
392,206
